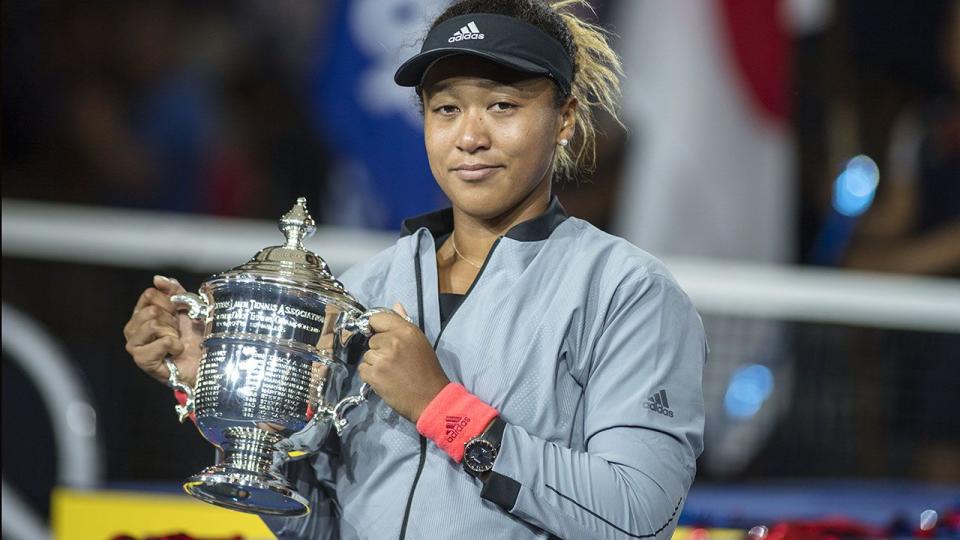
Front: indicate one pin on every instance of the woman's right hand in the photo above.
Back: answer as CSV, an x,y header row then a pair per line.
x,y
156,330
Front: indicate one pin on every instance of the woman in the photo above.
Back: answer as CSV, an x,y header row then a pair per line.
x,y
549,384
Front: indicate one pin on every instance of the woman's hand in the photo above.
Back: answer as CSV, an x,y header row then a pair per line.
x,y
401,365
157,330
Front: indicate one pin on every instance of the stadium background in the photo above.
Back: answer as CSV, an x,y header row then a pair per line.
x,y
166,136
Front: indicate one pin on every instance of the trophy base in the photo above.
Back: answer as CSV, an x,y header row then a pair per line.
x,y
244,481
242,490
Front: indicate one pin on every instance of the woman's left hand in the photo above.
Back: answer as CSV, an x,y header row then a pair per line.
x,y
401,365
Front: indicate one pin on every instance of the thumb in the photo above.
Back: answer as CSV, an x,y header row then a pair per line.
x,y
168,285
399,309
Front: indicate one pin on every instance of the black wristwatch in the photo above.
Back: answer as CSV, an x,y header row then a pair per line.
x,y
480,452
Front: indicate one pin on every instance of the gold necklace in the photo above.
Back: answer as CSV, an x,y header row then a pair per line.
x,y
453,242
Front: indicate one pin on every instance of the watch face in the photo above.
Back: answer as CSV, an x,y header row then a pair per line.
x,y
480,455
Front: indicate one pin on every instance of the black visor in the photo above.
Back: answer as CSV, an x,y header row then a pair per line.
x,y
504,40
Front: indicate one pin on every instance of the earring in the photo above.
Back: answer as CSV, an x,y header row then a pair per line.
x,y
564,142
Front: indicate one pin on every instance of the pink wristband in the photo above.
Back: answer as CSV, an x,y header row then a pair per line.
x,y
454,417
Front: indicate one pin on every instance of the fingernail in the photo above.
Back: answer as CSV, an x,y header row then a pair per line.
x,y
167,279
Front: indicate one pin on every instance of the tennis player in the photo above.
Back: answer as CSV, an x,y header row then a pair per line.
x,y
550,382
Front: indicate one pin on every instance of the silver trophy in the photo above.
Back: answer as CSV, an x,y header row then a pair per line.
x,y
273,363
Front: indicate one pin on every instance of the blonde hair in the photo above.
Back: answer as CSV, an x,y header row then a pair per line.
x,y
596,87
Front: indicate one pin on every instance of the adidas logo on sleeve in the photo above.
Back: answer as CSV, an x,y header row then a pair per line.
x,y
658,403
470,31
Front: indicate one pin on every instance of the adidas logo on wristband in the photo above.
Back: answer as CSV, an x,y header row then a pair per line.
x,y
455,425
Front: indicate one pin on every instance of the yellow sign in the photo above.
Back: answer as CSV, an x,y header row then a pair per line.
x,y
105,514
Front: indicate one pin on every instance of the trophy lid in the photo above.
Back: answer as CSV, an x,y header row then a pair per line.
x,y
291,262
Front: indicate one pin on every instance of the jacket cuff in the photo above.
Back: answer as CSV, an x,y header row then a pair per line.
x,y
501,490
453,418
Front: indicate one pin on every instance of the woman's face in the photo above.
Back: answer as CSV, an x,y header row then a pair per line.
x,y
491,134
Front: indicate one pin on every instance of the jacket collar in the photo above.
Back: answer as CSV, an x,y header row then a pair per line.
x,y
440,223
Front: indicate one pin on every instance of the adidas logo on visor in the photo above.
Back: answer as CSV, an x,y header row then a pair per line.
x,y
470,31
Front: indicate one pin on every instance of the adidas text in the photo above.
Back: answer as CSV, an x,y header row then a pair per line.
x,y
461,37
658,408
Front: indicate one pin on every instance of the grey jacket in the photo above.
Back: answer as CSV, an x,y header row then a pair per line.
x,y
592,354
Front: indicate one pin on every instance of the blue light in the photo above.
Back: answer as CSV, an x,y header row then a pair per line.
x,y
854,189
749,387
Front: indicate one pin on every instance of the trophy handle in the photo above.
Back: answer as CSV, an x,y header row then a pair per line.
x,y
197,306
183,411
359,324
198,309
339,413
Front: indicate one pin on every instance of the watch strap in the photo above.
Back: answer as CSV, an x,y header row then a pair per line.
x,y
492,436
494,432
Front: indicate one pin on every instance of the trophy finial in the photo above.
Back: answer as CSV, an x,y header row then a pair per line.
x,y
297,224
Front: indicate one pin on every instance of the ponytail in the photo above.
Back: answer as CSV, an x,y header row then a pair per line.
x,y
596,87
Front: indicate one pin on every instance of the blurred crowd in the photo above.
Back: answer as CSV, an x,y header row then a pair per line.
x,y
165,105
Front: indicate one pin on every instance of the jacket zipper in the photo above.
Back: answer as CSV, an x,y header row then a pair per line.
x,y
420,312
423,440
